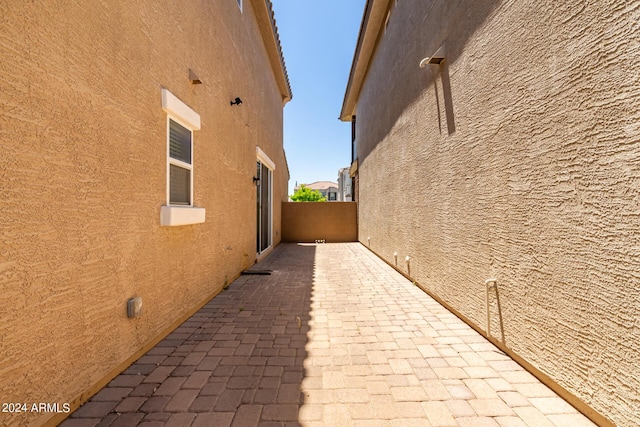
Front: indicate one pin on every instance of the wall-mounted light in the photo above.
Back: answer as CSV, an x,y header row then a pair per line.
x,y
193,78
436,58
236,101
256,180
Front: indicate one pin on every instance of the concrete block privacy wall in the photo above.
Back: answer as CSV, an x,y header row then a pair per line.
x,y
311,221
515,158
83,171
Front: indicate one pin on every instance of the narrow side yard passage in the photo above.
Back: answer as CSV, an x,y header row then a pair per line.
x,y
333,337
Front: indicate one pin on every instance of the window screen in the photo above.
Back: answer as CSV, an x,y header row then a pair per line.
x,y
180,170
180,185
179,142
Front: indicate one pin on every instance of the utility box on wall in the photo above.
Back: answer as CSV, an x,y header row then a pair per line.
x,y
134,307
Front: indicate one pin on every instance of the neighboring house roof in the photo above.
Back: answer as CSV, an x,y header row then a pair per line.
x,y
375,12
320,185
269,30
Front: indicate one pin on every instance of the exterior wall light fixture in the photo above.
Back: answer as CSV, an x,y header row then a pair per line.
x,y
436,58
236,101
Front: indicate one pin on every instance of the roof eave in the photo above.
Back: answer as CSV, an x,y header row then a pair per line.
x,y
269,32
373,18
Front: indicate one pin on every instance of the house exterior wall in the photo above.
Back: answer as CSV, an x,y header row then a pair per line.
x,y
83,177
344,185
331,194
514,159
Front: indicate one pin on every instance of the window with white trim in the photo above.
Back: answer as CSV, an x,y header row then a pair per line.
x,y
182,121
180,141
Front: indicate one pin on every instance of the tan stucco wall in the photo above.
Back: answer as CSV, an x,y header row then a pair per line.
x,y
516,159
311,221
83,178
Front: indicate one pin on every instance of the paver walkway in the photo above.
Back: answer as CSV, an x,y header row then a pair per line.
x,y
334,337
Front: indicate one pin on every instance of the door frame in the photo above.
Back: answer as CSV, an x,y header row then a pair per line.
x,y
265,160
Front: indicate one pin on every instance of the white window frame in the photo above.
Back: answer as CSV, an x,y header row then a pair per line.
x,y
181,113
179,163
263,158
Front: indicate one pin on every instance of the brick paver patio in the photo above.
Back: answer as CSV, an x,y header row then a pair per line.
x,y
333,337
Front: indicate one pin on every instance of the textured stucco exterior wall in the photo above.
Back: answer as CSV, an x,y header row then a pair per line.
x,y
311,221
518,159
83,178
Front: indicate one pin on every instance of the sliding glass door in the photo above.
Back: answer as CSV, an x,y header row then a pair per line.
x,y
264,207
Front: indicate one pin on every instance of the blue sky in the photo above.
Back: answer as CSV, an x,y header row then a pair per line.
x,y
318,40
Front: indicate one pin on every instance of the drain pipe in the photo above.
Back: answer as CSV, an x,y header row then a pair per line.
x,y
489,283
